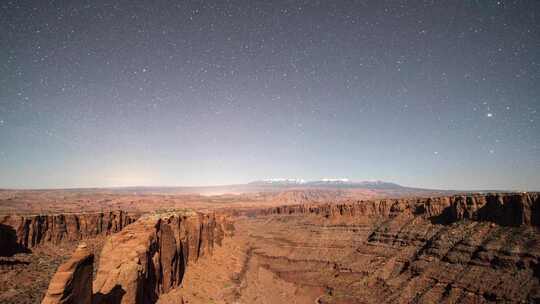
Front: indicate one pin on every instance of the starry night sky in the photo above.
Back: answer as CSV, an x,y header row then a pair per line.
x,y
441,94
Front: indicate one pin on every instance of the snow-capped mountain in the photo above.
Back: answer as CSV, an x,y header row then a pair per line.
x,y
335,180
326,182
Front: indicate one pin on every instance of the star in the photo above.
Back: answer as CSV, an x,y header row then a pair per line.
x,y
227,70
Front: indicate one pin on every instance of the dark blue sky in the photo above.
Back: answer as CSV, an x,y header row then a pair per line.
x,y
441,94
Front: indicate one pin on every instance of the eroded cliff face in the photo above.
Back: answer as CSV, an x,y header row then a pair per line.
x,y
72,282
459,249
503,209
30,231
150,256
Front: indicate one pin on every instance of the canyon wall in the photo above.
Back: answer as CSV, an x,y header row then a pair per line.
x,y
513,209
30,231
150,256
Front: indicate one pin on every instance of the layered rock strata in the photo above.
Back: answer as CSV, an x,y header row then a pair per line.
x,y
31,231
459,249
513,209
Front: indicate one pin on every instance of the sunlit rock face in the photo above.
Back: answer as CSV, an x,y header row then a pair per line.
x,y
72,282
150,257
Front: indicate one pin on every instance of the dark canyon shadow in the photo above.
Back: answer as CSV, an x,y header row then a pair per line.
x,y
113,297
8,242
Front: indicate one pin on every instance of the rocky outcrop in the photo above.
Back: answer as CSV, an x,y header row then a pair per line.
x,y
503,209
72,283
31,231
150,256
506,209
225,228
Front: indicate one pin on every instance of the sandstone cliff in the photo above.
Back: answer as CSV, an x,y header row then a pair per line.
x,y
513,209
31,231
150,256
72,283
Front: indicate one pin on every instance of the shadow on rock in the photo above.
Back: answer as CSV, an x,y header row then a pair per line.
x,y
113,297
445,218
8,242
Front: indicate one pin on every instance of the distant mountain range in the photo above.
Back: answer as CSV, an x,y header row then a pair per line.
x,y
326,183
286,189
336,186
